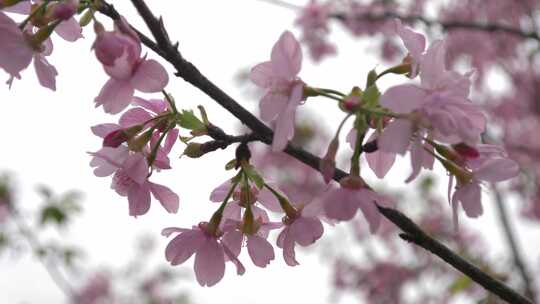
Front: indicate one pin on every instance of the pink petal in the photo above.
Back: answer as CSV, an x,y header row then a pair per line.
x,y
470,197
286,56
139,199
395,137
135,116
240,270
288,248
432,66
306,230
220,192
183,246
170,140
23,7
15,55
341,204
417,159
369,209
268,200
46,73
69,30
413,41
105,129
150,77
497,170
155,105
136,167
284,128
115,96
403,98
168,199
209,263
262,74
380,162
170,230
271,105
107,160
260,251
234,240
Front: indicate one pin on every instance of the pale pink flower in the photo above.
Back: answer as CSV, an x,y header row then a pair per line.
x,y
468,190
209,249
283,89
16,53
313,20
439,105
131,179
342,203
303,228
119,51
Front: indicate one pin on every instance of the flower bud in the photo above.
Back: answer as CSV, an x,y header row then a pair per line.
x,y
193,150
466,151
65,9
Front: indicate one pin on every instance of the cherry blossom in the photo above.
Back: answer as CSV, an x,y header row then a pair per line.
x,y
119,51
283,89
209,249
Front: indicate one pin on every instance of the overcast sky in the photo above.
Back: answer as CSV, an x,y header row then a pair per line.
x,y
46,136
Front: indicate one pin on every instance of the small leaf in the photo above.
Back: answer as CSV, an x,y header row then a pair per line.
x,y
230,165
53,214
189,121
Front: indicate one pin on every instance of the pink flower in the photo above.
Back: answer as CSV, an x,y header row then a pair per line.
x,y
16,53
283,89
209,249
468,191
119,51
342,203
131,179
303,228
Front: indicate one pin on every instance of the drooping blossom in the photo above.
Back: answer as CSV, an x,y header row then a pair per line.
x,y
283,89
120,53
341,203
490,165
303,226
17,50
130,178
209,249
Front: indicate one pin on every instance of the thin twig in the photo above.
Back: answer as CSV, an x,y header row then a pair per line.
x,y
512,242
191,74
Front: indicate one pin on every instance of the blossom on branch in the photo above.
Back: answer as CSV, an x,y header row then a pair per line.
x,y
284,91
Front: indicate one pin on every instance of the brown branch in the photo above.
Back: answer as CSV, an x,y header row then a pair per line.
x,y
445,25
512,242
413,233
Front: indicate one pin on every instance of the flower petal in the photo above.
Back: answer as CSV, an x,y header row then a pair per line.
x,y
260,251
150,77
286,56
168,199
209,263
115,96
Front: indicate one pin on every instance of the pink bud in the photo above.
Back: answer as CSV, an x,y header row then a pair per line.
x,y
115,138
466,151
65,9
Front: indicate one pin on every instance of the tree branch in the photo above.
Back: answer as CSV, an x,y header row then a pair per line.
x,y
413,233
512,242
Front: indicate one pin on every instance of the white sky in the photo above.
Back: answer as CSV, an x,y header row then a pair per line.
x,y
46,136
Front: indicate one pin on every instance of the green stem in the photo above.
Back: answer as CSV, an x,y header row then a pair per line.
x,y
38,10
